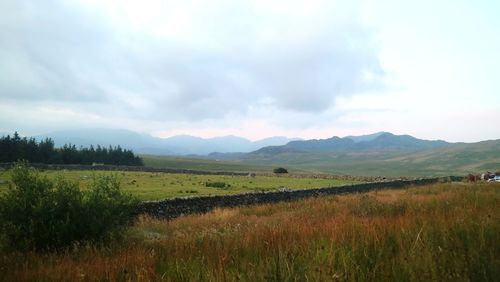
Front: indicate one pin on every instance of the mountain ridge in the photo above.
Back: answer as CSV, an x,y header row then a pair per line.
x,y
239,147
404,155
147,144
380,153
378,141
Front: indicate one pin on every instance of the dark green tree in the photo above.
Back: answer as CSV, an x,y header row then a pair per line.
x,y
15,148
280,170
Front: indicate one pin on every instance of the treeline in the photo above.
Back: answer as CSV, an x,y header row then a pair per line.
x,y
15,148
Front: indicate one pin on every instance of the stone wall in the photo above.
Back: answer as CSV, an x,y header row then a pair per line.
x,y
172,208
124,168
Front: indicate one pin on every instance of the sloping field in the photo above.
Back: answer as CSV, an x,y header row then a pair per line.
x,y
444,232
203,164
157,186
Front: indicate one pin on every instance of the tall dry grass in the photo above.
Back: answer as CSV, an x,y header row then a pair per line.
x,y
442,232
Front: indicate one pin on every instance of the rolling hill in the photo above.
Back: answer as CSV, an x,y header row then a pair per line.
x,y
383,154
378,141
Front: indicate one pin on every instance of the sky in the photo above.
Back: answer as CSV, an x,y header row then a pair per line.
x,y
307,69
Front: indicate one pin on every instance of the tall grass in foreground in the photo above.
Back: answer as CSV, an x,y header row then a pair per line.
x,y
435,233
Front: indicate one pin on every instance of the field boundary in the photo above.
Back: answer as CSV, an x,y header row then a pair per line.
x,y
175,207
125,168
172,208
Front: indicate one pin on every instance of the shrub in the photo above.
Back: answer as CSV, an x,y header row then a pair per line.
x,y
215,184
39,214
280,170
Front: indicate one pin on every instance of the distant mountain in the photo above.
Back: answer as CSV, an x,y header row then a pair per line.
x,y
400,142
374,142
453,159
139,143
368,137
381,153
385,154
146,144
190,145
273,141
318,145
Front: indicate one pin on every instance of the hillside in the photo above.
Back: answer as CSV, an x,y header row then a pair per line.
x,y
377,141
384,155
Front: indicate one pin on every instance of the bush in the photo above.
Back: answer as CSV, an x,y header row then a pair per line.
x,y
280,170
39,214
215,184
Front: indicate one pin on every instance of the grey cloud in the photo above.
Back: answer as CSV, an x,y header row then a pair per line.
x,y
58,51
51,52
308,77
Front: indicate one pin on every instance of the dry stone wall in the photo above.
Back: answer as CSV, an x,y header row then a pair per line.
x,y
176,207
172,208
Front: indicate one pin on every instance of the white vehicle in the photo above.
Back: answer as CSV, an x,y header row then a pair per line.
x,y
494,179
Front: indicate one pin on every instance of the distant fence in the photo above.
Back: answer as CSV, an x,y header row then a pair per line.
x,y
172,208
124,168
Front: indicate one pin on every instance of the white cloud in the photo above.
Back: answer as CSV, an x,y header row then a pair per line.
x,y
190,61
297,68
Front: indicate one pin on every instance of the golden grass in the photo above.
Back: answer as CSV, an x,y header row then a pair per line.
x,y
441,232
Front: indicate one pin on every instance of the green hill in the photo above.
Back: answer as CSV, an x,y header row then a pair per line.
x,y
453,159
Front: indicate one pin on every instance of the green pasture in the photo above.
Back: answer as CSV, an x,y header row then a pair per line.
x,y
204,164
155,186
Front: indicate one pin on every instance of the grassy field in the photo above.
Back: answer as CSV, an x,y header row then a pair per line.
x,y
207,164
445,232
155,186
457,160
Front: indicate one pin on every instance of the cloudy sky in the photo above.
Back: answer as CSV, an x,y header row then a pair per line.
x,y
309,69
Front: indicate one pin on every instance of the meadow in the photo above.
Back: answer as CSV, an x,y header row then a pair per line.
x,y
442,232
156,186
205,164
